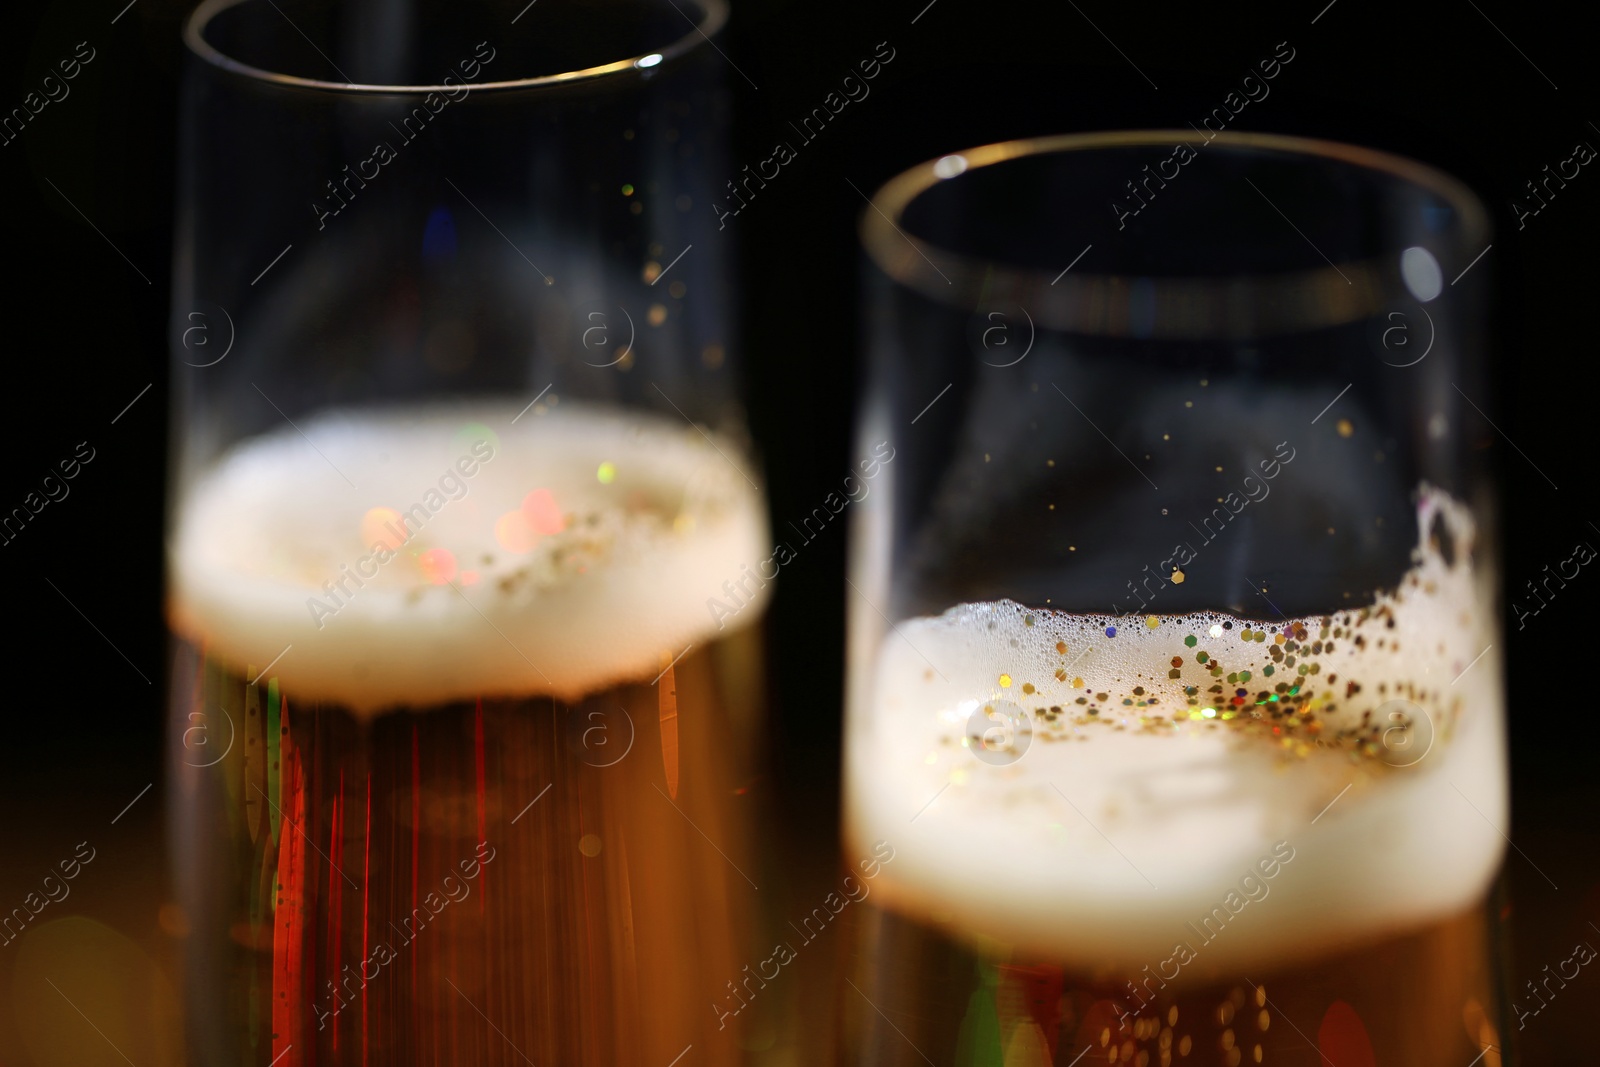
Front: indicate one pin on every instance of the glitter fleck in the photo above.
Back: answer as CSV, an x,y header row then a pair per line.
x,y
1177,577
1005,681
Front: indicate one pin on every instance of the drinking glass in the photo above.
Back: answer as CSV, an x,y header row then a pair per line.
x,y
1174,727
458,456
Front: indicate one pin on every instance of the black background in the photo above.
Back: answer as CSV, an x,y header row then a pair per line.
x,y
85,331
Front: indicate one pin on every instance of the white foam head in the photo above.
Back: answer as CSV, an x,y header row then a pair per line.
x,y
1091,788
411,557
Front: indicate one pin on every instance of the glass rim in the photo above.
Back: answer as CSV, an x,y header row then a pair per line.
x,y
714,14
1102,303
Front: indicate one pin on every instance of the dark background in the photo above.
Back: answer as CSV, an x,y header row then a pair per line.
x,y
86,332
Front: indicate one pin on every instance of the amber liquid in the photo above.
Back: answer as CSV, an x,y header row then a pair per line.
x,y
1428,998
549,883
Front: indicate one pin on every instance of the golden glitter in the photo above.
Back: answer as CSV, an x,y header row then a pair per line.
x,y
1232,1058
1061,648
1027,687
589,845
1256,1054
1177,576
657,314
1346,428
677,289
1070,548
1227,1039
1152,621
1188,403
1052,507
1005,681
1225,1013
1166,437
1172,1015
1049,463
651,271
1219,470
1263,1020
1077,683
1105,1037
1185,1045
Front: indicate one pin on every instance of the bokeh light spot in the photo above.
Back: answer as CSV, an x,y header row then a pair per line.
x,y
383,526
438,565
539,508
513,533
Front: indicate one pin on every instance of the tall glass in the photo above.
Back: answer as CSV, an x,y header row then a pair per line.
x,y
1175,717
458,460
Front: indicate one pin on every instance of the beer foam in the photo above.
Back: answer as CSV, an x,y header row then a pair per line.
x,y
408,557
1091,789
